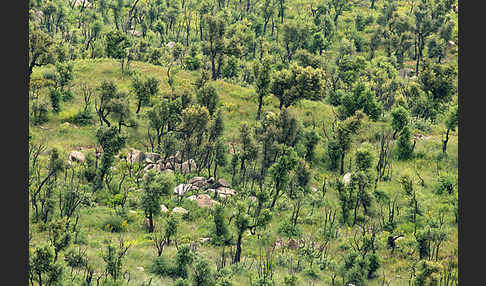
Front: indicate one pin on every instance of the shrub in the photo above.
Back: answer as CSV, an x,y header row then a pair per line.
x,y
115,224
162,266
289,230
82,118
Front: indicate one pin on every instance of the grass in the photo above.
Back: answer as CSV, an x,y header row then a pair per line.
x,y
238,105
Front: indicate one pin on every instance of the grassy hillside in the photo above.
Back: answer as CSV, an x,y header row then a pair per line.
x,y
239,104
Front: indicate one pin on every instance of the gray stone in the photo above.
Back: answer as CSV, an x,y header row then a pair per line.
x,y
223,183
180,210
163,208
135,156
182,189
347,179
77,156
154,157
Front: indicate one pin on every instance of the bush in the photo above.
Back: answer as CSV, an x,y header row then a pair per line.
x,y
287,229
55,97
162,266
115,224
82,118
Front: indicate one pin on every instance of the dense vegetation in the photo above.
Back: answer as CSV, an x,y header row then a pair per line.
x,y
258,142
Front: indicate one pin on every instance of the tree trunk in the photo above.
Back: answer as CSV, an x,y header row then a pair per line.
x,y
444,142
342,163
260,103
238,248
151,223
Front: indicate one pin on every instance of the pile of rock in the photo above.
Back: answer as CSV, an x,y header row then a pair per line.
x,y
155,161
201,189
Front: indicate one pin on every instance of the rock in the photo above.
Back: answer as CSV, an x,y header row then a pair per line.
x,y
135,156
182,189
204,239
148,161
253,199
192,198
148,167
347,179
210,181
226,191
180,210
140,268
178,157
132,211
293,244
170,44
135,33
188,166
163,208
204,201
76,156
154,157
405,72
223,196
196,179
279,243
223,183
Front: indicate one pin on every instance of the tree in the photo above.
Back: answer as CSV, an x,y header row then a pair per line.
x,y
114,258
144,90
311,139
43,268
404,144
280,171
208,97
361,98
59,235
220,233
261,71
39,48
242,223
111,142
155,186
451,123
116,46
294,36
215,44
399,119
291,85
203,274
344,131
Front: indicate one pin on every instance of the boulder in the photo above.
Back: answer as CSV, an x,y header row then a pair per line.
x,y
293,244
148,167
135,33
180,210
210,181
163,208
204,239
170,44
347,179
178,157
76,156
204,201
226,191
223,183
192,198
188,166
135,156
196,179
154,157
182,189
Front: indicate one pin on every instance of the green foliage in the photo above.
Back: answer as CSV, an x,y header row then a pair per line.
x,y
404,144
